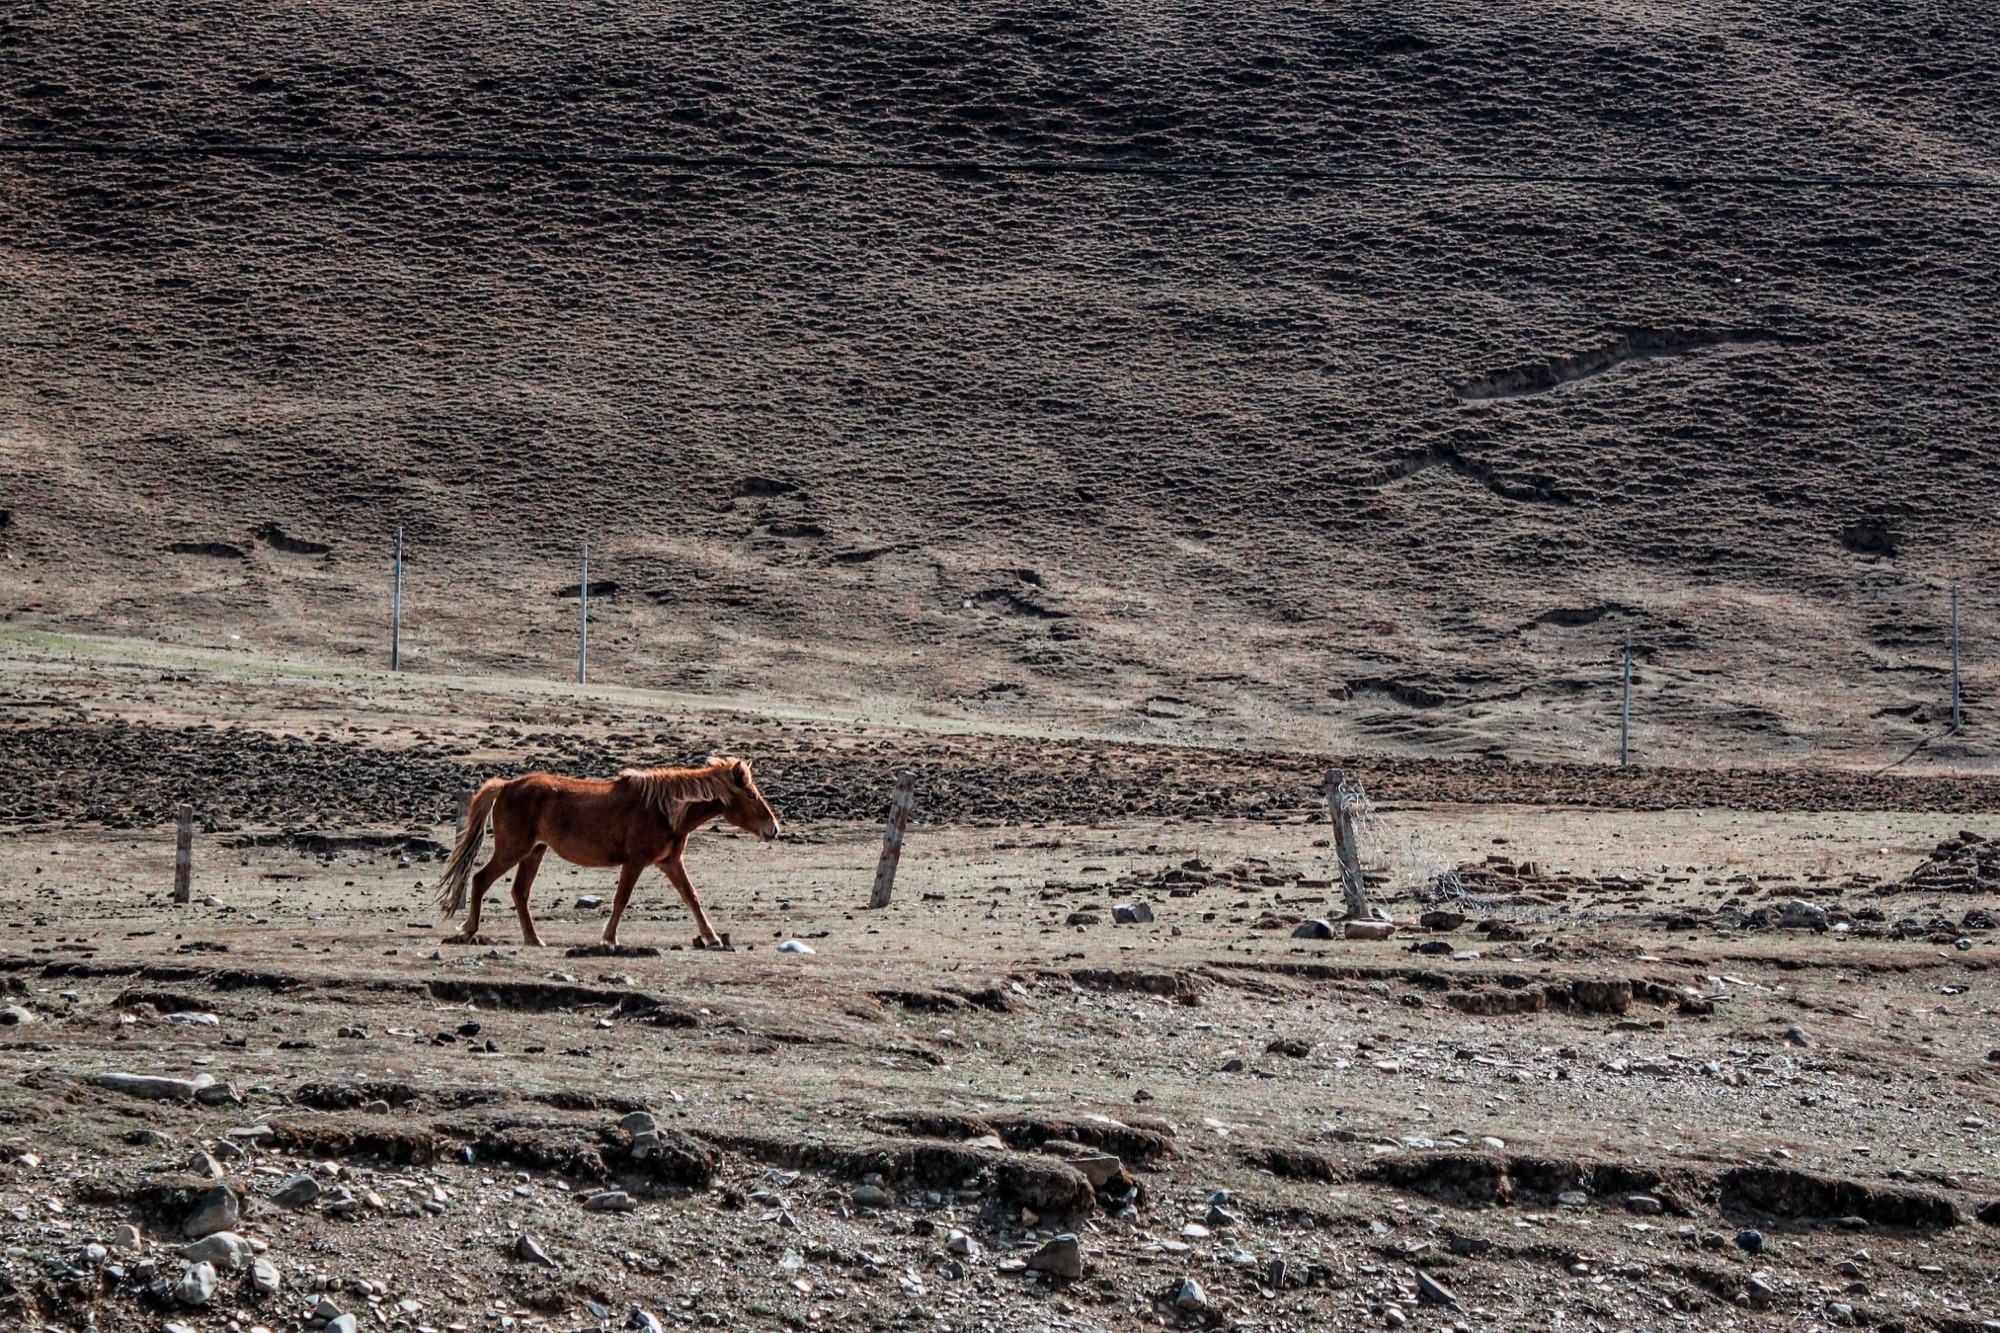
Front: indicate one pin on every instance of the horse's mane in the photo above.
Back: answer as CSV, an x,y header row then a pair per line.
x,y
672,790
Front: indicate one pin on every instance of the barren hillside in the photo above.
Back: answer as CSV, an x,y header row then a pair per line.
x,y
1390,464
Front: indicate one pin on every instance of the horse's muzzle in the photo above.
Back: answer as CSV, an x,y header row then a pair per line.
x,y
770,832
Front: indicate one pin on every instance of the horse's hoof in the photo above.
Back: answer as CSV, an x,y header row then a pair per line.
x,y
460,937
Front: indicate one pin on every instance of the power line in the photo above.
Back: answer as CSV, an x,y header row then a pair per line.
x,y
704,163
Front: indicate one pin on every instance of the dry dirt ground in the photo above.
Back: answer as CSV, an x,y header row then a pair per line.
x,y
1563,1109
1384,465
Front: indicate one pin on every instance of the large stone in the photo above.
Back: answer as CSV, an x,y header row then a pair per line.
x,y
264,1276
1061,1257
1798,915
529,1250
1188,1295
13,1015
1433,1292
1316,929
154,1086
299,1191
1370,930
217,1211
1132,914
225,1249
197,1285
639,1122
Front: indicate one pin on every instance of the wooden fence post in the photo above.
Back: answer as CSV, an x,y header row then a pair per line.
x,y
1340,807
583,620
892,840
184,857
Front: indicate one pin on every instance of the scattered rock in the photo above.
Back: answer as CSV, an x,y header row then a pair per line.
x,y
1433,1292
1750,1240
1188,1295
299,1191
1316,929
218,1210
13,1015
529,1250
1296,1047
1132,914
1801,915
871,1196
610,1201
226,1250
1370,930
1061,1257
197,1285
155,1086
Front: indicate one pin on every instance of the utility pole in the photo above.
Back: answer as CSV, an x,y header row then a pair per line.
x,y
396,612
1956,695
1625,712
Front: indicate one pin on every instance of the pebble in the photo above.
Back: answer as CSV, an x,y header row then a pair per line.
x,y
871,1196
1644,1204
610,1201
127,1237
796,946
1760,1292
963,1245
529,1250
298,1191
1750,1241
346,1323
1188,1295
1393,1316
264,1276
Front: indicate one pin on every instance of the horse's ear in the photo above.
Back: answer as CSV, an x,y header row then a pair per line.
x,y
742,770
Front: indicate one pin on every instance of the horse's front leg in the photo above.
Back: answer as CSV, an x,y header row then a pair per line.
x,y
628,875
676,871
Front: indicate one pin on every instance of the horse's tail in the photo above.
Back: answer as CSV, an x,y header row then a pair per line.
x,y
451,886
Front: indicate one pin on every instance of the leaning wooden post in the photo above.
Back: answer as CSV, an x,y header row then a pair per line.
x,y
892,840
184,857
1340,807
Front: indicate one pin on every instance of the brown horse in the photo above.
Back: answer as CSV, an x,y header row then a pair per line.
x,y
642,818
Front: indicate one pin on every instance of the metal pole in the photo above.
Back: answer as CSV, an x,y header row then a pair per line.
x,y
1955,694
1625,716
583,620
396,616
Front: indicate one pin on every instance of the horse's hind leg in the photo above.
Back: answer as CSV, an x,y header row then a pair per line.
x,y
508,851
524,880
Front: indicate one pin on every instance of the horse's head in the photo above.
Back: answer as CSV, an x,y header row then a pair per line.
x,y
743,805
